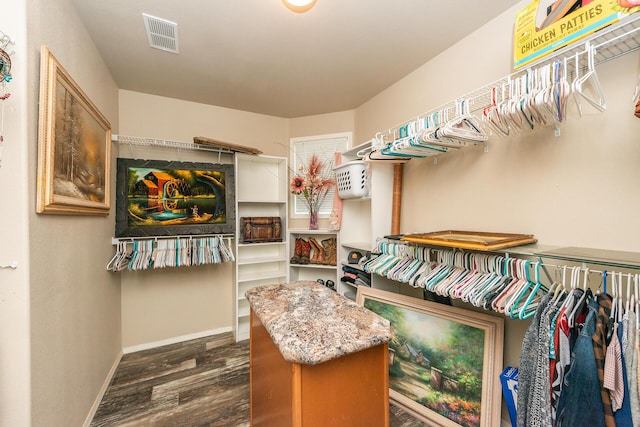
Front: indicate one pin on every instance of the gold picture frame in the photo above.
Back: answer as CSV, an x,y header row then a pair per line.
x,y
471,240
74,146
444,361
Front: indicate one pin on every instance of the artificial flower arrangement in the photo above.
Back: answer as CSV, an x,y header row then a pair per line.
x,y
313,182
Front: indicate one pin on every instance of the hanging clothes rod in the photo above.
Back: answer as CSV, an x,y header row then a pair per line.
x,y
617,259
507,254
116,240
143,254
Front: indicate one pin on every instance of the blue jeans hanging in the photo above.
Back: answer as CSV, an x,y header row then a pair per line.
x,y
580,403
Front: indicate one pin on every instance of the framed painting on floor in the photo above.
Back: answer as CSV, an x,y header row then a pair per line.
x,y
444,362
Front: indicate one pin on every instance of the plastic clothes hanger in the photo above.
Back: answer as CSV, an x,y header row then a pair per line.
x,y
464,126
559,291
491,115
524,105
490,278
398,148
513,111
489,281
378,156
580,303
412,144
542,82
512,307
574,89
575,292
628,295
636,296
499,303
592,77
434,135
560,90
523,284
486,295
614,293
620,298
119,260
531,304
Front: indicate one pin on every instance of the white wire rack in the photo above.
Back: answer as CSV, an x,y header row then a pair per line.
x,y
162,143
610,43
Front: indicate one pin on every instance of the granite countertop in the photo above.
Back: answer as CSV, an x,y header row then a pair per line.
x,y
311,324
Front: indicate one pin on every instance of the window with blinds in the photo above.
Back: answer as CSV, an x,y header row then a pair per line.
x,y
325,147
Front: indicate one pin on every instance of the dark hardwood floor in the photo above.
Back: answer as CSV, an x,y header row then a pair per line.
x,y
202,382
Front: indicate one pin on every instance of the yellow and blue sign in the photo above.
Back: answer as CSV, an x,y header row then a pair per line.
x,y
542,27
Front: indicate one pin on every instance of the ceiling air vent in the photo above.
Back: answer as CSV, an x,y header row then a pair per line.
x,y
162,34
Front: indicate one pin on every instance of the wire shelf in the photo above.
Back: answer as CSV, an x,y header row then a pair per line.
x,y
176,145
610,43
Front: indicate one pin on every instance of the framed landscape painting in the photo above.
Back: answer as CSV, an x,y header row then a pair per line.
x,y
167,198
74,140
444,362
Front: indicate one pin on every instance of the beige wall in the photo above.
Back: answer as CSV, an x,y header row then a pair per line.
x,y
14,284
322,124
166,304
578,189
74,301
172,119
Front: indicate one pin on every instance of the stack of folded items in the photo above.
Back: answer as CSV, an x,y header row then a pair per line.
x,y
355,276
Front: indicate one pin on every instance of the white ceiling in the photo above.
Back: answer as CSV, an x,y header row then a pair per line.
x,y
256,55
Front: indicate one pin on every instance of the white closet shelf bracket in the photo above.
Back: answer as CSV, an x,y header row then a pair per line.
x,y
12,266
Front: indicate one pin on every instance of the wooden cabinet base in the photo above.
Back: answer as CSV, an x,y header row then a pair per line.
x,y
352,390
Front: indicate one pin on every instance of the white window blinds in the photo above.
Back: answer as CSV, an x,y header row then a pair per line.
x,y
325,147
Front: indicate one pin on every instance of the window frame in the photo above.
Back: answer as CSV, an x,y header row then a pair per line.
x,y
333,142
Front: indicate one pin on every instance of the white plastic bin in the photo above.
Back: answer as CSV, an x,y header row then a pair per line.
x,y
352,180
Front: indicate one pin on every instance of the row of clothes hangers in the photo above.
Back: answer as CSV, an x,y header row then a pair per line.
x,y
532,99
430,135
505,285
492,282
135,255
539,97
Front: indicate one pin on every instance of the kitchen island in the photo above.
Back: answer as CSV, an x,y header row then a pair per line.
x,y
317,359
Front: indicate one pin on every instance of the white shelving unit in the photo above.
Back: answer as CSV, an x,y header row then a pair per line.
x,y
261,191
367,218
313,271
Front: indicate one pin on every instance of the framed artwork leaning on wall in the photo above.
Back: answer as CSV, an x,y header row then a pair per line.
x,y
444,362
74,146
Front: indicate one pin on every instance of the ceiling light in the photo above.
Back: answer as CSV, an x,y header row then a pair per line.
x,y
299,6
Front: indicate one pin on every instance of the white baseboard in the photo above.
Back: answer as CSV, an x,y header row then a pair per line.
x,y
103,390
174,340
